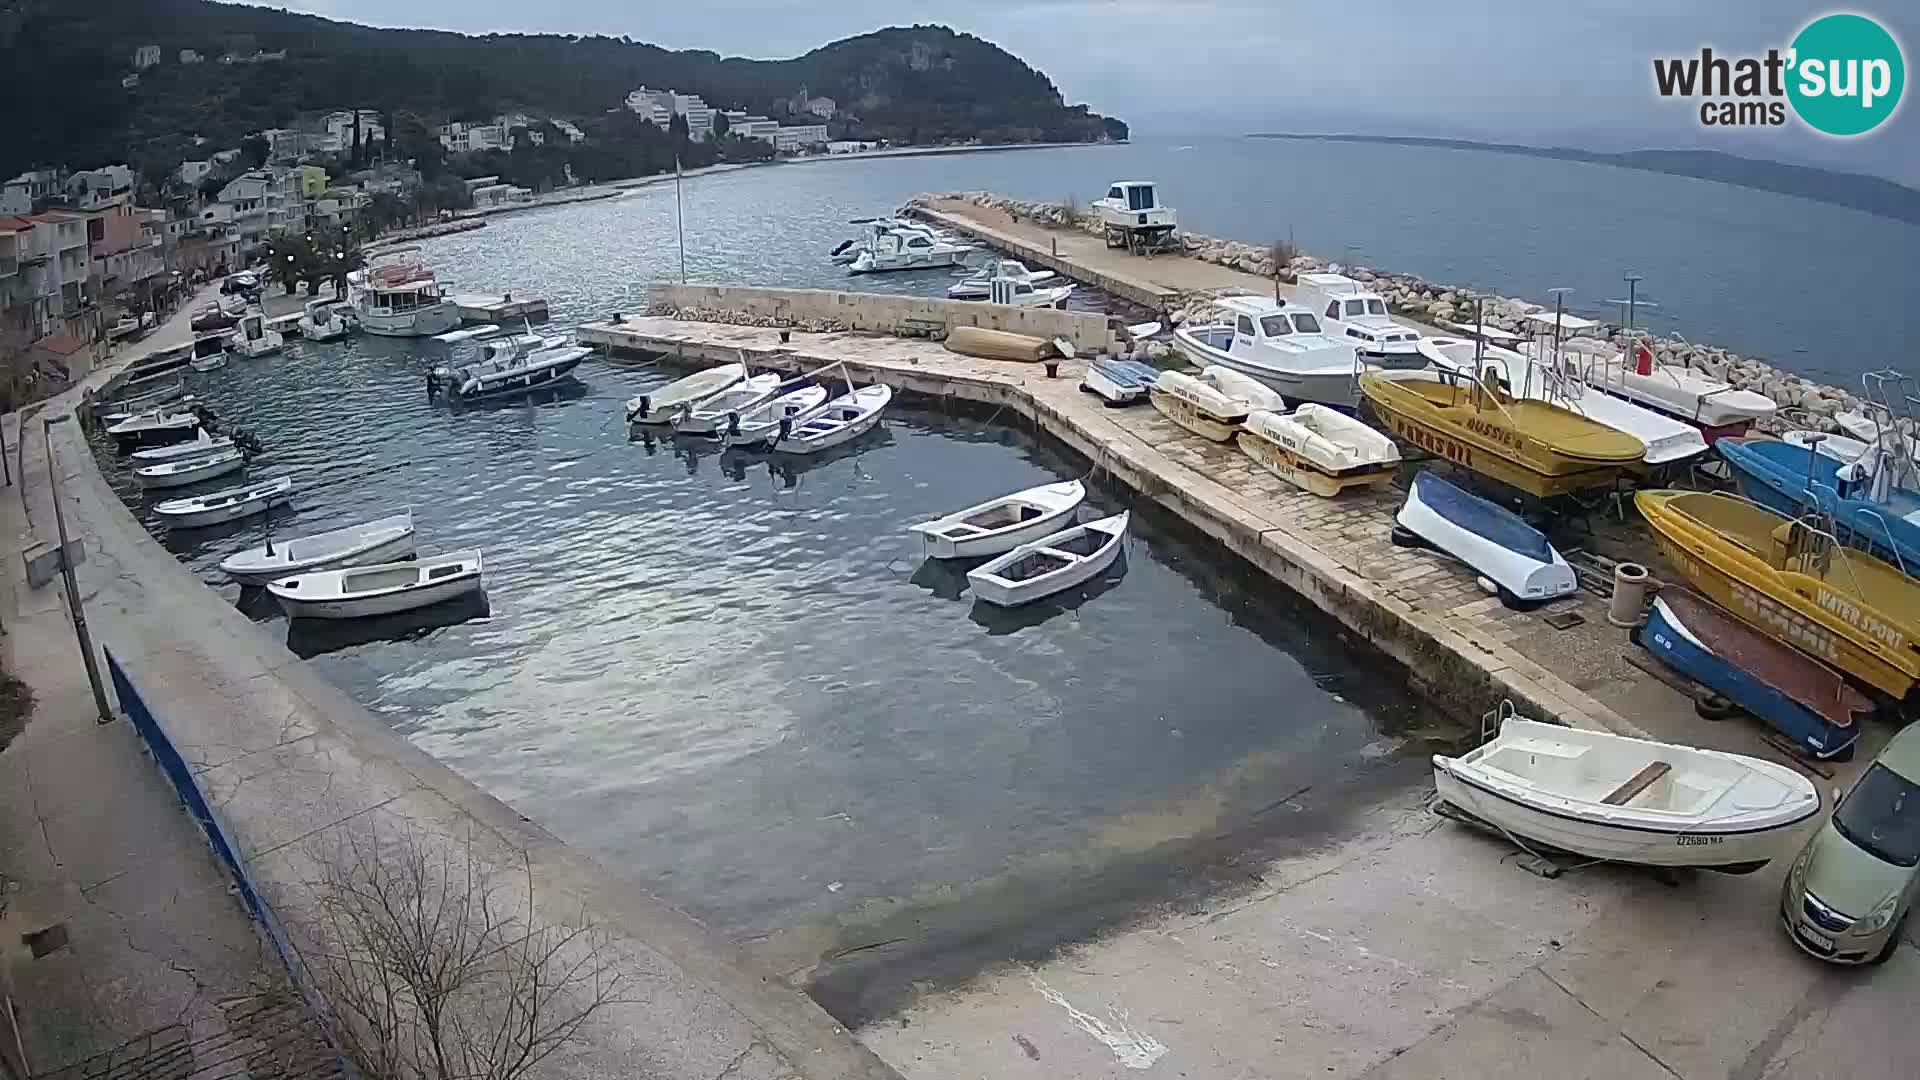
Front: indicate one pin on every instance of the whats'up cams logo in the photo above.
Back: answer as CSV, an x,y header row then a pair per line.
x,y
1842,76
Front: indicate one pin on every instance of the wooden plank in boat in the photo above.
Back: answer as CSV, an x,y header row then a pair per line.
x,y
1640,782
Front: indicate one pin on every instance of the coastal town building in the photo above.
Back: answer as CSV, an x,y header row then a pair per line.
x,y
145,57
192,172
659,107
23,192
796,139
190,56
94,187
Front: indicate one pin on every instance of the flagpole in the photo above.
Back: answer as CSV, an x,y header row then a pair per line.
x,y
680,218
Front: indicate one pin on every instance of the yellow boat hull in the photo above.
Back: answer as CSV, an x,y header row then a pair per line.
x,y
1536,447
1192,417
1297,471
1829,617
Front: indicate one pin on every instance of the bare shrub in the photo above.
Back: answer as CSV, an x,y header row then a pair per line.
x,y
1071,210
436,968
1282,253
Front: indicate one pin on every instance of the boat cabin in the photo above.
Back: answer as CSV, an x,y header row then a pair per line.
x,y
401,299
1246,324
1349,309
1131,209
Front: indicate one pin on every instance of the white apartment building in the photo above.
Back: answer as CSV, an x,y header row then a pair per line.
x,y
659,107
470,138
94,187
145,57
751,127
339,128
21,192
797,138
257,203
192,172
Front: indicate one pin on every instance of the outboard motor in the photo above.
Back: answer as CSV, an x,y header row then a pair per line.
x,y
733,423
786,428
645,410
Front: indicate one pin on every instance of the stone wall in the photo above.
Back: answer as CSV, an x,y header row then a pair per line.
x,y
822,310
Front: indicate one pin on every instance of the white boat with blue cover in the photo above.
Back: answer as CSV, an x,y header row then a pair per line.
x,y
1000,525
1050,564
1488,537
1119,382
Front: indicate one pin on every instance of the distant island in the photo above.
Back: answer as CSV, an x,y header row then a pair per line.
x,y
1868,193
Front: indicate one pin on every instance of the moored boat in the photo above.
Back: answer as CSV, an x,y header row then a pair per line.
x,y
1535,446
978,285
1800,697
1050,564
190,470
842,420
230,504
658,405
1001,524
1198,406
1793,581
513,366
397,296
1119,382
381,589
709,414
783,412
381,540
1319,449
322,320
143,399
202,443
1627,800
1496,542
1281,345
151,428
253,338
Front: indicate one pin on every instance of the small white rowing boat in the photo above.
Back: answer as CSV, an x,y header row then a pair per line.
x,y
1198,406
709,414
1050,564
363,591
205,364
190,470
765,421
1610,797
1319,449
201,443
658,405
381,540
1001,524
231,504
844,419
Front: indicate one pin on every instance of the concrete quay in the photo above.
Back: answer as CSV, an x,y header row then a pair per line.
x,y
297,770
495,307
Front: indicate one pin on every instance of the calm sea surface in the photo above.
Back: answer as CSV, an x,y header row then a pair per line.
x,y
736,681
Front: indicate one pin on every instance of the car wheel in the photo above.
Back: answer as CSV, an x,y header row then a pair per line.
x,y
1893,943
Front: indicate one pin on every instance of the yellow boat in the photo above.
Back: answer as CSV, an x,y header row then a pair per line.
x,y
1793,582
1537,447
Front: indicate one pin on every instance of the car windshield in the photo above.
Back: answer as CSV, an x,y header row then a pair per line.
x,y
1275,326
1882,817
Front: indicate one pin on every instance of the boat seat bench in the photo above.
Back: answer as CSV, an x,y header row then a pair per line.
x,y
1638,783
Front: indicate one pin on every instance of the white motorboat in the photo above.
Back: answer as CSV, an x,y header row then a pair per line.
x,y
125,326
117,414
1611,797
1840,448
202,443
1119,382
190,470
1281,345
210,351
142,400
1197,406
979,284
766,421
397,296
1667,439
1131,215
381,540
892,248
1351,310
1319,449
514,366
844,419
658,405
322,320
1496,542
1002,524
231,504
1256,394
1682,393
870,228
253,338
709,414
204,364
1050,564
363,591
148,428
1020,294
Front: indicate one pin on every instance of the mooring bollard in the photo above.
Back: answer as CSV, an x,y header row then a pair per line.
x,y
1053,368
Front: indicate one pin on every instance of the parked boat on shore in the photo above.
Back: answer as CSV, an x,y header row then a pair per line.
x,y
1610,797
1493,541
1535,446
383,589
230,504
657,406
1050,564
1793,581
1000,525
381,540
1800,697
1197,406
1868,507
1718,408
1351,310
1319,449
1119,382
1281,345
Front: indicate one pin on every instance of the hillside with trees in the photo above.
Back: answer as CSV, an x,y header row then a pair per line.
x,y
921,84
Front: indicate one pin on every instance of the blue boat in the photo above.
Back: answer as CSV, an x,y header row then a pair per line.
x,y
1803,699
1119,382
1793,480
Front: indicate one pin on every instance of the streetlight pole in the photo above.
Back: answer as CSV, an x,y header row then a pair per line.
x,y
72,583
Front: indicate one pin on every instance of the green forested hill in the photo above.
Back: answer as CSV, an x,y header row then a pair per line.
x,y
63,61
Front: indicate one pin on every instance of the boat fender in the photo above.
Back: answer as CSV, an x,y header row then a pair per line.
x,y
733,423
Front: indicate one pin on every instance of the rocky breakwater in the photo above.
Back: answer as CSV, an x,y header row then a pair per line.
x,y
1805,404
730,317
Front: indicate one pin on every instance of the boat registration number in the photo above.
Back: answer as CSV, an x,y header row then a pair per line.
x,y
1685,840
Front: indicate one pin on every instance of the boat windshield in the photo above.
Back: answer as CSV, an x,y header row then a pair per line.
x,y
1881,816
1376,307
1356,307
1275,326
1306,323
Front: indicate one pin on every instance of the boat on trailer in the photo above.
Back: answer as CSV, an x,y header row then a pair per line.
x,y
363,591
1496,542
1198,406
1319,449
1119,382
1279,344
1347,308
1619,799
658,405
1800,697
381,540
1002,524
1050,564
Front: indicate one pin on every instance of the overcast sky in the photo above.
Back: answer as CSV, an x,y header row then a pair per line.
x,y
1512,70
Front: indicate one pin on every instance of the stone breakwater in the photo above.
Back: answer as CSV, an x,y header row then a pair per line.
x,y
426,232
1807,403
730,317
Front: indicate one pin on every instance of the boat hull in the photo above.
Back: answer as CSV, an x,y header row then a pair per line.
x,y
1304,474
1468,528
845,433
1472,442
155,436
419,322
1049,519
202,471
220,515
1334,388
363,607
401,547
1001,592
525,383
657,407
1205,424
1667,637
1732,852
